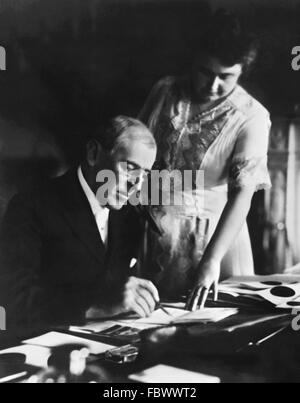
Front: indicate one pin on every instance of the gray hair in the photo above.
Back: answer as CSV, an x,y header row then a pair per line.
x,y
115,134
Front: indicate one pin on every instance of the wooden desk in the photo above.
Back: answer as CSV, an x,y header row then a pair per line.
x,y
207,349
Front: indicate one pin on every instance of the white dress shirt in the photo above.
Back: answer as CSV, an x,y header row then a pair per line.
x,y
101,214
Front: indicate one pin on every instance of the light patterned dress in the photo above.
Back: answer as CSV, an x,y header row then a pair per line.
x,y
229,143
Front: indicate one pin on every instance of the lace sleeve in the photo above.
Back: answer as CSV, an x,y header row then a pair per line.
x,y
249,164
247,173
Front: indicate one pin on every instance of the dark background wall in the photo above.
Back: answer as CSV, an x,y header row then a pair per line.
x,y
70,62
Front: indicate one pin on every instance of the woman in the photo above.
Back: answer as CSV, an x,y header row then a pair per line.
x,y
206,121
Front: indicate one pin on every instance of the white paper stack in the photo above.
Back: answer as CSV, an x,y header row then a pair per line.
x,y
167,374
177,316
55,339
281,291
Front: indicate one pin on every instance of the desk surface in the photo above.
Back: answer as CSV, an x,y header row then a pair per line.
x,y
230,356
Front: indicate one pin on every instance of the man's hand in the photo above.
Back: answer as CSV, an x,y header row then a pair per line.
x,y
140,296
208,278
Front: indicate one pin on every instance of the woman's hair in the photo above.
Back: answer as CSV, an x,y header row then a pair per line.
x,y
114,133
228,40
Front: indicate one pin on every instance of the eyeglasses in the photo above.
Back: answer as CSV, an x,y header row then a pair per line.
x,y
134,173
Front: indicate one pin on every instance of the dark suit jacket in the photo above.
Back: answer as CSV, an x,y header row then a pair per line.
x,y
53,264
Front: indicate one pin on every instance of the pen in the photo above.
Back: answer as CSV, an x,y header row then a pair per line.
x,y
254,322
14,377
261,341
258,343
160,306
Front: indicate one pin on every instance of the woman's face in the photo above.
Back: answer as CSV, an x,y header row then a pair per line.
x,y
212,81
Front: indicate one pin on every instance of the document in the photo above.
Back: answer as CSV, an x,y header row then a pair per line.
x,y
282,291
207,315
93,327
168,374
283,294
283,278
178,316
55,339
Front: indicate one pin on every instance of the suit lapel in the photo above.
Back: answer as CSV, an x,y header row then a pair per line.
x,y
78,213
123,239
118,236
118,248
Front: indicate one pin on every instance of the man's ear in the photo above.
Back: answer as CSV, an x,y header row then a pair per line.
x,y
93,153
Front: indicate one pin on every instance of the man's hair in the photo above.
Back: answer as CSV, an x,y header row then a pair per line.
x,y
227,40
114,133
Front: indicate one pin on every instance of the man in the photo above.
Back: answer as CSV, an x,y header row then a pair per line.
x,y
65,253
205,121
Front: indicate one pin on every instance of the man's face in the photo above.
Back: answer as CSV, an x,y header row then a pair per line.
x,y
131,164
212,81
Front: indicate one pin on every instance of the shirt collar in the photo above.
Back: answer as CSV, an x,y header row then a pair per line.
x,y
95,206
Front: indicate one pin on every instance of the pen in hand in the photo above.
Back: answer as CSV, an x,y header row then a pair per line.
x,y
160,306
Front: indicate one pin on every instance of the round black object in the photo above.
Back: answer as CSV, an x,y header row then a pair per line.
x,y
271,283
283,292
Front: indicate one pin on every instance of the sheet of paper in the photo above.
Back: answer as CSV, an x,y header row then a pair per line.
x,y
234,290
278,289
55,339
177,305
168,374
281,294
295,303
138,325
35,355
249,287
93,326
159,317
207,315
258,285
274,277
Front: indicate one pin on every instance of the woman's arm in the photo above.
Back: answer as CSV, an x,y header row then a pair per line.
x,y
248,172
232,219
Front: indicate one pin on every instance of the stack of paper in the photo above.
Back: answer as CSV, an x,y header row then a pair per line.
x,y
178,316
278,291
38,350
167,374
207,315
55,339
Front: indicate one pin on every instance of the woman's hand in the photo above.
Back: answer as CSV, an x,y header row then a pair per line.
x,y
208,279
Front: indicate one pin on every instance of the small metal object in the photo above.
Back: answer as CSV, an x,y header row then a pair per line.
x,y
122,355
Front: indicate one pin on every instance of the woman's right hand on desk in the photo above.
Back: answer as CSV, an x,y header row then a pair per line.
x,y
208,279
